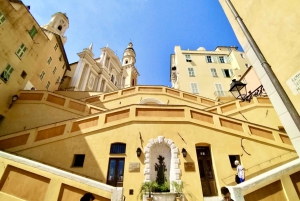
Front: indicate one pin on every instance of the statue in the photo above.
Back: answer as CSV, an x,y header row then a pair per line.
x,y
161,169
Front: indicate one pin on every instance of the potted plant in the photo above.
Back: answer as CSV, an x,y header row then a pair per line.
x,y
178,187
147,188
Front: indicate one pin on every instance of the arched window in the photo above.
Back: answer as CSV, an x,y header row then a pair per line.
x,y
59,27
118,148
112,78
126,61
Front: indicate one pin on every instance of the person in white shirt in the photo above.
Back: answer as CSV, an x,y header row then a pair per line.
x,y
240,171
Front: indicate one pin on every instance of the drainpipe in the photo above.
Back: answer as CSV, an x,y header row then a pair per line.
x,y
285,99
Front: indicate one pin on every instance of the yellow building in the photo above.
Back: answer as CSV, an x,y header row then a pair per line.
x,y
31,56
107,139
207,73
262,28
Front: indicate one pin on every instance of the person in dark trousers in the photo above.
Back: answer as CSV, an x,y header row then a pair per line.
x,y
87,197
226,194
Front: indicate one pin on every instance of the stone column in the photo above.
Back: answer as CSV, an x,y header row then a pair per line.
x,y
87,75
77,75
99,83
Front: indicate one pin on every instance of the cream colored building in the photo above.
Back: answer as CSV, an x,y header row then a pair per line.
x,y
31,56
103,74
272,25
207,73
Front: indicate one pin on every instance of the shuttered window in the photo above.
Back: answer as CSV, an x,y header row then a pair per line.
x,y
194,87
191,72
213,72
5,75
32,32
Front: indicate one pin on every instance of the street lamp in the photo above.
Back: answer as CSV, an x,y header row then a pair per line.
x,y
239,91
138,152
14,98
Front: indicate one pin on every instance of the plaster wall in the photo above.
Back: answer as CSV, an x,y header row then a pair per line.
x,y
96,145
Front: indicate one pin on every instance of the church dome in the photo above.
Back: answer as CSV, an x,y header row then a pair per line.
x,y
201,49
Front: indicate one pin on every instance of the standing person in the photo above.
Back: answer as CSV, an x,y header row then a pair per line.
x,y
240,171
226,194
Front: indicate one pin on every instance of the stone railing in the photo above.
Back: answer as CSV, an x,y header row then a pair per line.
x,y
145,113
151,90
281,173
58,101
47,183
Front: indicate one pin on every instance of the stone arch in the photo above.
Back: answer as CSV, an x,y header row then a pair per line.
x,y
151,101
170,154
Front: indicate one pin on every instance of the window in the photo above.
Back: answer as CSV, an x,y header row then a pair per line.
x,y
78,160
59,27
32,32
23,74
233,158
2,18
115,172
126,61
227,72
54,70
213,72
49,60
208,59
22,49
118,148
60,57
247,65
194,87
56,46
188,58
6,73
191,72
222,59
112,78
219,90
42,75
48,85
63,67
58,79
243,56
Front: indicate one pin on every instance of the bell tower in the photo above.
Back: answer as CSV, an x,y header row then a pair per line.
x,y
128,63
58,24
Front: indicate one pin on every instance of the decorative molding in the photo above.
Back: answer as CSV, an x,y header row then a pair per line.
x,y
147,100
175,171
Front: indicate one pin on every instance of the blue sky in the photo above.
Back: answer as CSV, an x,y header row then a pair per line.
x,y
153,26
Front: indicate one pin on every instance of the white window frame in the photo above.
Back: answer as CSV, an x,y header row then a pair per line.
x,y
194,87
42,75
54,70
209,59
2,18
48,85
49,60
230,73
222,58
214,74
188,58
6,73
20,52
219,92
191,72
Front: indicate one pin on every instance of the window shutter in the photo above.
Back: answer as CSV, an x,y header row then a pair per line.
x,y
225,59
215,59
223,72
231,72
206,59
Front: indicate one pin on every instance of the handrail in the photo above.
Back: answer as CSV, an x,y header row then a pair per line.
x,y
257,165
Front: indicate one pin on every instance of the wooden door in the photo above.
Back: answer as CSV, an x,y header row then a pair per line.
x,y
206,170
115,172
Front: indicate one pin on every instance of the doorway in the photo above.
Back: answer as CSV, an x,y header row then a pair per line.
x,y
206,170
115,172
